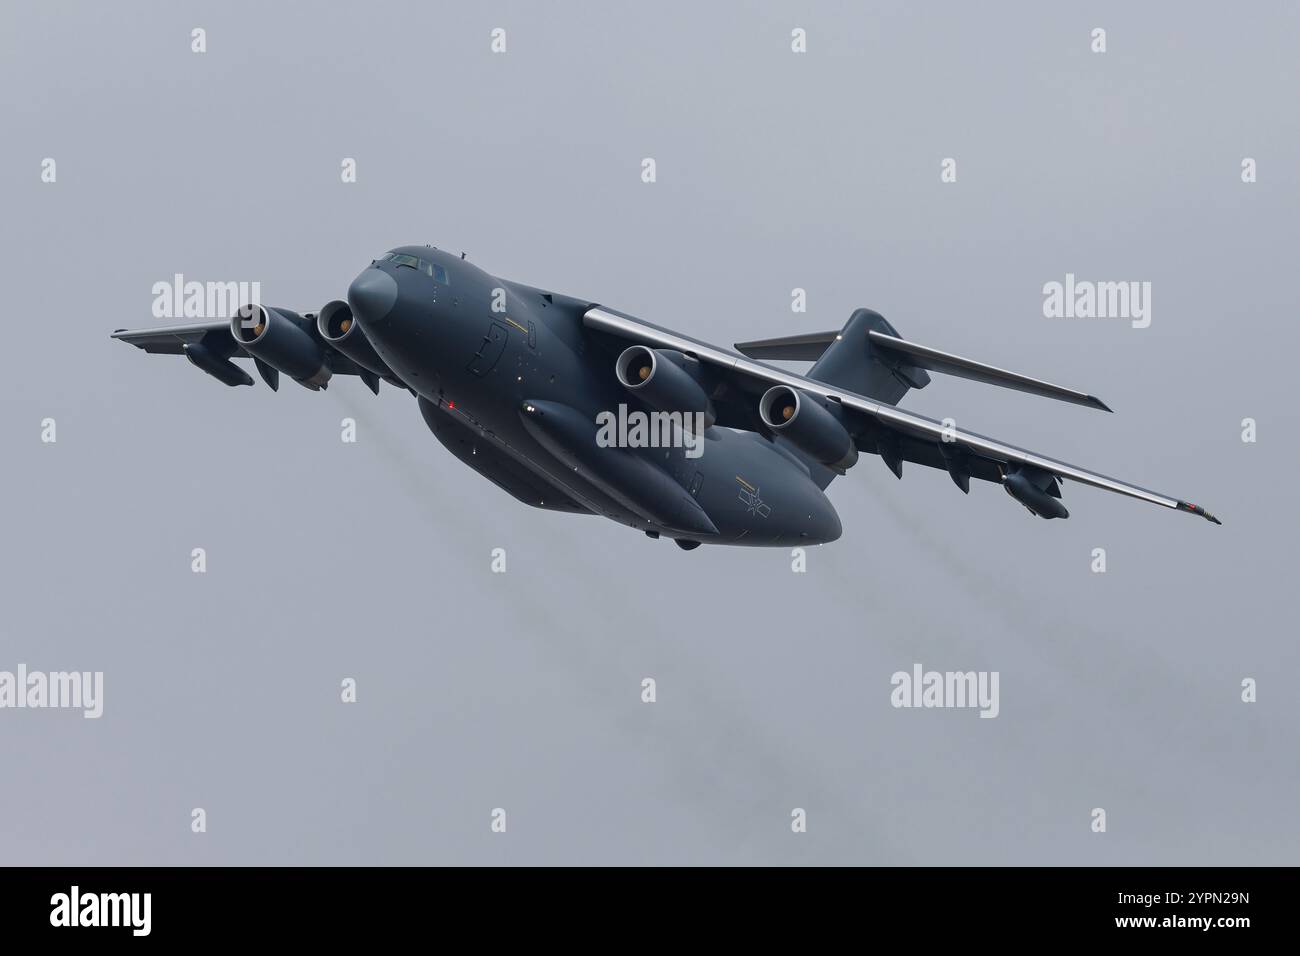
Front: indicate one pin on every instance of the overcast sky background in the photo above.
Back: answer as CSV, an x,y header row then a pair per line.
x,y
476,690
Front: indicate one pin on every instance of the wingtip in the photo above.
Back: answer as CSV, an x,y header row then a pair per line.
x,y
1197,510
1098,403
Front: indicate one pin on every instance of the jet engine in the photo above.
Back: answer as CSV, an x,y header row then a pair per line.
x,y
810,427
338,327
665,380
1037,490
280,339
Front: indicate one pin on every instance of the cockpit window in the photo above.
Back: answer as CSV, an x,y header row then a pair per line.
x,y
431,269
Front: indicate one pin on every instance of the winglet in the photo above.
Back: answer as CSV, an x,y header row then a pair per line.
x,y
1197,510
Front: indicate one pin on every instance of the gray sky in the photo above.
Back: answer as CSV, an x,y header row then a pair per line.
x,y
775,170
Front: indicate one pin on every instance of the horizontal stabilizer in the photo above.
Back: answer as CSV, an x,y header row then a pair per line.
x,y
922,356
791,348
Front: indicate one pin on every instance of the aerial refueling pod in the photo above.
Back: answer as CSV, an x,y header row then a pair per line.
x,y
810,427
665,380
279,338
338,327
1037,490
220,368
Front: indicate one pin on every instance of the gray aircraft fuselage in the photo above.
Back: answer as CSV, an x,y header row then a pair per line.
x,y
512,383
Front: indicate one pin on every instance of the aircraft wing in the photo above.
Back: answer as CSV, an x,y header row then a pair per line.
x,y
210,346
894,434
171,339
809,347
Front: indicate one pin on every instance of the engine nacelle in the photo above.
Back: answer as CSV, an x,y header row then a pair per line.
x,y
809,426
1037,490
665,380
280,338
338,327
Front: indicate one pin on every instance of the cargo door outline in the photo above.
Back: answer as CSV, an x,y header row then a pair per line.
x,y
489,350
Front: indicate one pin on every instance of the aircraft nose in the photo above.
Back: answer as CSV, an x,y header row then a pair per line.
x,y
372,296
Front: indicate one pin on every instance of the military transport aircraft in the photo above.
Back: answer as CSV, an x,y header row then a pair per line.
x,y
514,381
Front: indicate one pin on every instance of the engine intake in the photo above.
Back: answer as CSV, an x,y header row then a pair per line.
x,y
665,380
339,328
810,427
280,339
